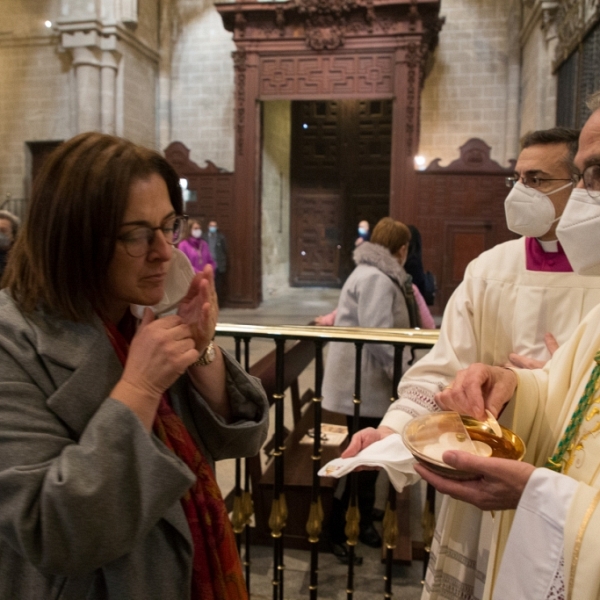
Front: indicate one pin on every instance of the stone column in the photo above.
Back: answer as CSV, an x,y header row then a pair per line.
x,y
108,90
86,64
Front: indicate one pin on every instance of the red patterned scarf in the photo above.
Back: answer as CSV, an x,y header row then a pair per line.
x,y
217,571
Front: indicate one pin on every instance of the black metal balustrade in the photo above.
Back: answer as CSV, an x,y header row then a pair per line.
x,y
242,506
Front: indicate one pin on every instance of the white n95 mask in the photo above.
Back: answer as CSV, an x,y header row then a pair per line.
x,y
579,232
529,212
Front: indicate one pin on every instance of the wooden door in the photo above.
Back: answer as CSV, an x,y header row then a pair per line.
x,y
464,242
340,175
316,234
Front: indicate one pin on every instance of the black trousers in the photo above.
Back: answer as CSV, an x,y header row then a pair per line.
x,y
365,496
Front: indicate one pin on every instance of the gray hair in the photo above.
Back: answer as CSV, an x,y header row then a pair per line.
x,y
593,101
15,222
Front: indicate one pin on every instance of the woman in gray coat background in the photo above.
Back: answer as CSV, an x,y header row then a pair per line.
x,y
108,426
378,293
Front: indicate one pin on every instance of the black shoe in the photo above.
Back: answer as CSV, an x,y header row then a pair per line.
x,y
341,552
370,536
377,515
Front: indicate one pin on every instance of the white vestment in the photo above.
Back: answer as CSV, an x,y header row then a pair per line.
x,y
499,308
563,519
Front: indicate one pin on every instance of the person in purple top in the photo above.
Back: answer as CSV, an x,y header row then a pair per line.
x,y
196,249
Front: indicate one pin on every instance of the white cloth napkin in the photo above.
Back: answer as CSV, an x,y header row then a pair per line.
x,y
390,454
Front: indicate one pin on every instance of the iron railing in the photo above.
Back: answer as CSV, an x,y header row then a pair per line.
x,y
242,508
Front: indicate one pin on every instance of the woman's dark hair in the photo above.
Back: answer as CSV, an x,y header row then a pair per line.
x,y
414,261
61,258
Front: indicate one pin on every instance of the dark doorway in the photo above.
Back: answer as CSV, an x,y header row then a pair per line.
x,y
340,175
39,152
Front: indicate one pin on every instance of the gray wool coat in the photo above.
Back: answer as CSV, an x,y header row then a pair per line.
x,y
371,297
89,501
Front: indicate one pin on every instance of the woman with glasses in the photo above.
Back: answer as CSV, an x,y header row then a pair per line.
x,y
109,426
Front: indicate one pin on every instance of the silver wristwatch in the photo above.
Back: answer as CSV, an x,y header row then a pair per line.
x,y
206,357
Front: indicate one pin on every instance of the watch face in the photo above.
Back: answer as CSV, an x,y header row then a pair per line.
x,y
210,353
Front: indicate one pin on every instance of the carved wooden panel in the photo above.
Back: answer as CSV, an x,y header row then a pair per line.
x,y
211,190
342,147
460,213
325,50
326,75
464,241
315,232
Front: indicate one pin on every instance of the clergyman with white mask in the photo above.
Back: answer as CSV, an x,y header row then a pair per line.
x,y
517,302
550,547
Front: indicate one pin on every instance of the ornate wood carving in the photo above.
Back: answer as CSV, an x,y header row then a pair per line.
x,y
474,157
328,25
239,63
178,155
574,18
211,187
460,213
324,50
360,75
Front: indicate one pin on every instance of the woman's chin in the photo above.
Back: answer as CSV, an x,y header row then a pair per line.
x,y
150,299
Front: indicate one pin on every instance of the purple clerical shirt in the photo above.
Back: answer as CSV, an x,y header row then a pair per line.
x,y
537,259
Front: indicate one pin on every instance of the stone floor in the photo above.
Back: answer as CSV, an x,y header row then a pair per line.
x,y
368,577
298,306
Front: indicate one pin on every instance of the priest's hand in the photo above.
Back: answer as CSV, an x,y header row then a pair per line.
x,y
499,485
525,362
476,388
364,438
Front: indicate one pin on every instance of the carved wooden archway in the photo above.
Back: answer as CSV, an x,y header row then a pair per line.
x,y
460,213
322,50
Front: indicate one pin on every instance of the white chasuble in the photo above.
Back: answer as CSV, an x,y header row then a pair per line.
x,y
499,308
566,518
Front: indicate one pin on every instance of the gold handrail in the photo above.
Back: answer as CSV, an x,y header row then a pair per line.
x,y
417,337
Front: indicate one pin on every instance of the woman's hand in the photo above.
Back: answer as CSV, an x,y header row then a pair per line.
x,y
160,352
476,388
200,308
200,311
499,484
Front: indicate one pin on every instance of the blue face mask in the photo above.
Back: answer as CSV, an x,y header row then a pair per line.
x,y
212,229
362,231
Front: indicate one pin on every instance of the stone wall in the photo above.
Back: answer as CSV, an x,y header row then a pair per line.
x,y
201,105
138,75
41,97
538,84
471,87
277,130
35,103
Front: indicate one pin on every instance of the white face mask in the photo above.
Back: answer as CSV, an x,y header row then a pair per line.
x,y
197,233
578,232
529,212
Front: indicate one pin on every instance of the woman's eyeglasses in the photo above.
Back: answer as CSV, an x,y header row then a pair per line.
x,y
138,241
